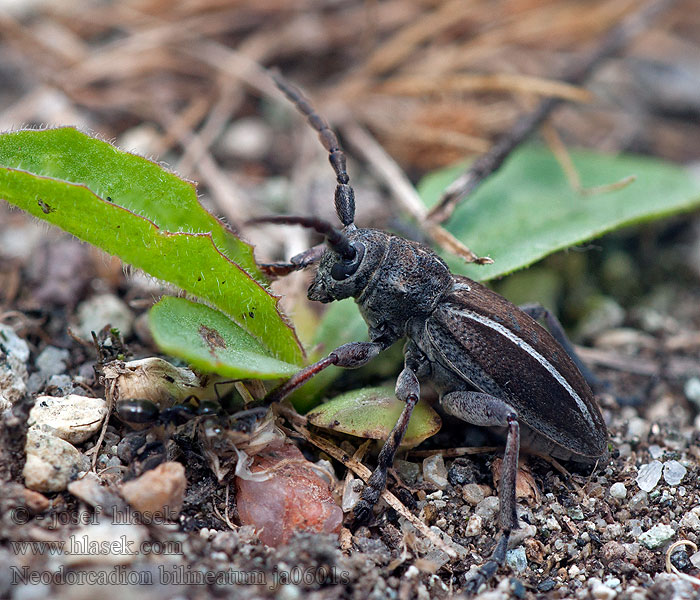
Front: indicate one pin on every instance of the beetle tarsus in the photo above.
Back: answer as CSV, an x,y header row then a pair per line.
x,y
486,571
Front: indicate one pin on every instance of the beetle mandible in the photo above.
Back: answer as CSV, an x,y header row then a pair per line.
x,y
491,362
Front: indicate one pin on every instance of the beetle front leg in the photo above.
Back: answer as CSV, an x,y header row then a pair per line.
x,y
408,391
486,410
347,356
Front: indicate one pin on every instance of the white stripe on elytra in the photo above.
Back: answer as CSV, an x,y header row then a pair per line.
x,y
504,331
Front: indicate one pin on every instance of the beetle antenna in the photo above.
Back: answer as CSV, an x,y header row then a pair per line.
x,y
335,238
344,194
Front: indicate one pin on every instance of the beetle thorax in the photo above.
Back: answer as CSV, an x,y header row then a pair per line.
x,y
396,281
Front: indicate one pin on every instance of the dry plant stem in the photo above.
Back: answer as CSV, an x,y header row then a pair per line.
x,y
388,171
487,164
364,473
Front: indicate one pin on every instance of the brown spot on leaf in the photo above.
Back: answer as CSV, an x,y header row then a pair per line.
x,y
212,338
45,208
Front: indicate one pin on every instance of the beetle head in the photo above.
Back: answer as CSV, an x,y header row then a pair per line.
x,y
340,277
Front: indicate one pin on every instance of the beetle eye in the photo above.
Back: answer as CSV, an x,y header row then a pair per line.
x,y
345,268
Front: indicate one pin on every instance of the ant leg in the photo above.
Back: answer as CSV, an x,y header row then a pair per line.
x,y
347,356
486,410
408,391
296,263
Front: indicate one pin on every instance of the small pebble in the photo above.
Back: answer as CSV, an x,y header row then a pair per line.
x,y
14,354
516,559
462,472
546,586
695,560
159,491
474,526
618,490
639,501
52,361
487,508
600,591
680,560
637,428
73,418
100,310
649,475
657,536
692,390
408,471
472,494
248,138
434,471
656,451
691,519
674,472
51,462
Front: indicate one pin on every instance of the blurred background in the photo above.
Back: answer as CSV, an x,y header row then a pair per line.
x,y
431,81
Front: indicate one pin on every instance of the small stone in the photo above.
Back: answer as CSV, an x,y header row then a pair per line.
x,y
649,475
691,519
487,508
51,462
695,560
637,428
680,560
462,472
474,526
601,591
692,390
612,550
103,309
472,494
160,491
352,492
639,501
434,471
657,536
618,490
248,138
576,513
73,418
14,354
52,361
516,559
546,586
574,571
408,471
674,472
656,451
35,502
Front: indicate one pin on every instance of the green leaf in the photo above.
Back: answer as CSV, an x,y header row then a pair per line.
x,y
133,182
372,413
529,210
211,342
191,260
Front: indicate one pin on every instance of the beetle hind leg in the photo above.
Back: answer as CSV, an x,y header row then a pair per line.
x,y
487,410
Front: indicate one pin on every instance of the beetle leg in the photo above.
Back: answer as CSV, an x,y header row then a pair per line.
x,y
296,263
408,391
347,356
486,410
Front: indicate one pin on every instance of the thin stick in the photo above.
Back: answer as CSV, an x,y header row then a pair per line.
x,y
364,473
487,164
386,168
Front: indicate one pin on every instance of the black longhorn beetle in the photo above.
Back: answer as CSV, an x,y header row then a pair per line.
x,y
492,364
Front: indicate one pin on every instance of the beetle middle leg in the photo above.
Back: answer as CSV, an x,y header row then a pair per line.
x,y
408,391
483,409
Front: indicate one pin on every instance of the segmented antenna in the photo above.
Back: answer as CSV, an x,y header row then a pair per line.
x,y
336,239
344,194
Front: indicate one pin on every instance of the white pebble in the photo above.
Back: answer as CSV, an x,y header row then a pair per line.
x,y
73,418
618,490
649,475
434,471
51,462
674,472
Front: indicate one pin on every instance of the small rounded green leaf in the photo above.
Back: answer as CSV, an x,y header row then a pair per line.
x,y
209,341
372,413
